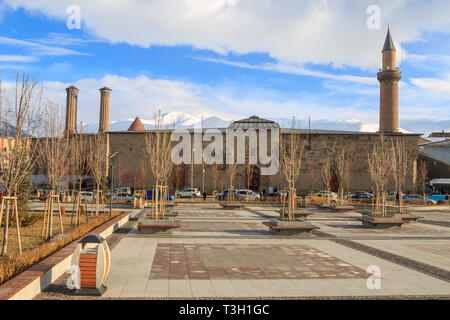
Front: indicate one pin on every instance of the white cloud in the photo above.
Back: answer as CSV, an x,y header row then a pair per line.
x,y
293,69
292,31
433,84
16,58
37,48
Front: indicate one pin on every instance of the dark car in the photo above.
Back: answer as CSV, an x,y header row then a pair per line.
x,y
225,194
359,195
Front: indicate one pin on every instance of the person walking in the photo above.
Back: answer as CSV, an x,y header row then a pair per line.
x,y
204,195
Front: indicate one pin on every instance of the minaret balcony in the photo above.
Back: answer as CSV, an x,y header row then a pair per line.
x,y
389,75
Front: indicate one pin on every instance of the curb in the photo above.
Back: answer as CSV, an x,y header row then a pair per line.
x,y
28,284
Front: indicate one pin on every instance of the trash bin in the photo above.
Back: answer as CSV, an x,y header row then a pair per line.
x,y
93,258
138,203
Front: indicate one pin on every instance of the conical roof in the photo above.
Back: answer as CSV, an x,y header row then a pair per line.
x,y
137,125
388,43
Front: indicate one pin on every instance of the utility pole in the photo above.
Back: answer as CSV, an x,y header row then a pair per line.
x,y
192,173
203,165
110,158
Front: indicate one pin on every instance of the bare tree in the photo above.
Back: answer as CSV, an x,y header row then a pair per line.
x,y
341,162
97,164
380,169
423,176
53,159
79,149
179,177
215,176
292,150
401,165
312,175
249,175
158,150
158,147
231,173
325,171
19,122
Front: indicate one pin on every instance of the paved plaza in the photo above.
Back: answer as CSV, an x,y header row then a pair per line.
x,y
218,253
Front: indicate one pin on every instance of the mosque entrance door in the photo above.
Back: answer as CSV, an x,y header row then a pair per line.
x,y
255,181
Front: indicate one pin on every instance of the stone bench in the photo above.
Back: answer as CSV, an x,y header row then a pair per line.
x,y
231,205
292,230
379,223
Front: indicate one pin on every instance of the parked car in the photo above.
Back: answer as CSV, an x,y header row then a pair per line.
x,y
87,196
225,195
322,197
245,194
417,199
274,195
359,195
189,192
149,195
122,197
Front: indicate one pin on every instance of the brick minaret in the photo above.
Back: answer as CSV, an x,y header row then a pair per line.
x,y
71,110
389,76
105,94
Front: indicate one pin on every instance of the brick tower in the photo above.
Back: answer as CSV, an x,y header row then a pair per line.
x,y
71,110
105,94
389,76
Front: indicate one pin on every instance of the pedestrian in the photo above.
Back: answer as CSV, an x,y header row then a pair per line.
x,y
204,195
1,195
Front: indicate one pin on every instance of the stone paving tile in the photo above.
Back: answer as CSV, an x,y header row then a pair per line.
x,y
247,261
211,226
188,265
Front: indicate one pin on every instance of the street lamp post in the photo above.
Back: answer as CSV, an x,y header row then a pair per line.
x,y
110,157
192,174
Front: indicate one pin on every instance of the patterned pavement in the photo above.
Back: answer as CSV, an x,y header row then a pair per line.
x,y
220,253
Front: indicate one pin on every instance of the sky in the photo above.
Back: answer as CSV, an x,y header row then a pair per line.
x,y
234,58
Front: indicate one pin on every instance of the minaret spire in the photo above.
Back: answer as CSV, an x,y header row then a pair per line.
x,y
389,76
388,43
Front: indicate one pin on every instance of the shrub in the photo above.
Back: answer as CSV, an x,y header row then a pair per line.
x,y
17,263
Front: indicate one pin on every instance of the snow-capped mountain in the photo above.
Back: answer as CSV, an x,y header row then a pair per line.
x,y
184,120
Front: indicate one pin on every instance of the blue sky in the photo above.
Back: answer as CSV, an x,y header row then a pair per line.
x,y
233,58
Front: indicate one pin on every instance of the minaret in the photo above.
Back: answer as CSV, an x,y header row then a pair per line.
x,y
389,76
71,110
105,94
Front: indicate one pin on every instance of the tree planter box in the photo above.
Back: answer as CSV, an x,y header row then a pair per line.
x,y
167,214
153,226
407,217
323,205
344,207
231,206
295,227
382,222
170,204
297,213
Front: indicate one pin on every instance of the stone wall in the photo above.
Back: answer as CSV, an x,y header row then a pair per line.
x,y
131,165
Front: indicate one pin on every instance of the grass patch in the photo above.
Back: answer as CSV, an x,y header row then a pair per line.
x,y
12,265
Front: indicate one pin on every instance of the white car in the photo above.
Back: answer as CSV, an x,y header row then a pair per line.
x,y
189,192
242,193
122,197
417,199
87,196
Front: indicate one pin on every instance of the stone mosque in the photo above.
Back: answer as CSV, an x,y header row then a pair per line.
x,y
132,170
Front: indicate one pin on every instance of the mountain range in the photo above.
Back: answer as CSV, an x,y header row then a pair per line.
x,y
183,120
